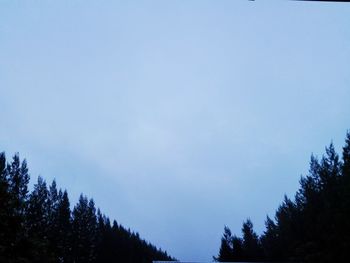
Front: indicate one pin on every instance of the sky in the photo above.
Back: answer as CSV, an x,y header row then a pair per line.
x,y
177,117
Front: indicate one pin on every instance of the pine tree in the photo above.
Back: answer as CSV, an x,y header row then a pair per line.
x,y
226,249
64,229
346,157
52,202
251,246
314,227
84,226
237,246
287,229
344,223
59,224
39,227
37,222
4,208
270,241
18,179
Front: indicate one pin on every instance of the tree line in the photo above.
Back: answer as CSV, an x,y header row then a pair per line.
x,y
39,226
314,226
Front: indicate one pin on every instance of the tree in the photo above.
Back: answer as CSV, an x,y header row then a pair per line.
x,y
346,157
4,208
64,228
237,245
104,249
314,227
59,224
53,231
226,249
270,241
251,246
18,179
37,222
18,184
84,226
39,226
344,223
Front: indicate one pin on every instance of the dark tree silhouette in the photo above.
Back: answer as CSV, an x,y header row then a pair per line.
x,y
270,241
237,246
251,245
60,229
226,249
63,231
84,226
40,227
37,222
4,210
17,238
314,227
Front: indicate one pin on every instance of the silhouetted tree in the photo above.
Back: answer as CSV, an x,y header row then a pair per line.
x,y
226,249
37,222
84,226
16,236
5,211
344,209
64,229
238,252
251,246
39,226
270,241
105,238
314,227
60,229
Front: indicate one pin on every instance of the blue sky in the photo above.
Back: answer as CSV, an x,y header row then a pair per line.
x,y
177,117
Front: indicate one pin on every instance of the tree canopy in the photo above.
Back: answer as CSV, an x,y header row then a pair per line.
x,y
311,227
39,226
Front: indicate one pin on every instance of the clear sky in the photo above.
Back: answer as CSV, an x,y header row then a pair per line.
x,y
177,117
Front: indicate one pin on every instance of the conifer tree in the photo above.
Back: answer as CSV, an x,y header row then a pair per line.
x,y
53,231
64,228
39,227
4,208
84,226
251,246
226,249
344,222
18,179
37,222
270,241
59,224
346,157
314,227
237,246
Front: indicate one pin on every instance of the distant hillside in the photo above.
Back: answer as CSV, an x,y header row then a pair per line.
x,y
39,226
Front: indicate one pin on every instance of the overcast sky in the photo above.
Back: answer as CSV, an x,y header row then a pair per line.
x,y
177,117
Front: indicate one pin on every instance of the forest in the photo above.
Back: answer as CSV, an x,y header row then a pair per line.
x,y
313,226
39,226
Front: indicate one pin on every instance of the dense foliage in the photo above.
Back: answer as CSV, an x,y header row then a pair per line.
x,y
313,227
39,226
